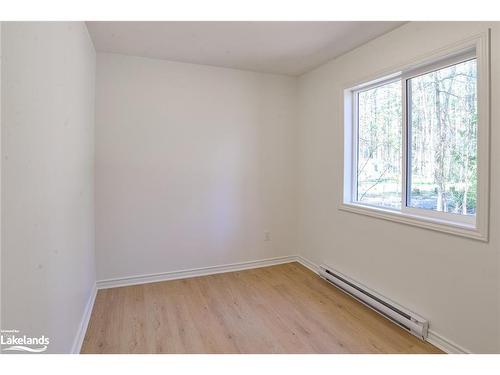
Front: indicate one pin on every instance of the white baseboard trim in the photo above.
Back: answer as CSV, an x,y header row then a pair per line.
x,y
195,272
444,344
433,337
307,263
82,329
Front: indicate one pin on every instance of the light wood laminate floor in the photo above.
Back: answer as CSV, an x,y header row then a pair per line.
x,y
278,309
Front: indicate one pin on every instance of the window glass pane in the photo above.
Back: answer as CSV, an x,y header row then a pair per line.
x,y
443,139
379,146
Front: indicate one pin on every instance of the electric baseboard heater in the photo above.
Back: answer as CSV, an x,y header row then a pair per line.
x,y
406,319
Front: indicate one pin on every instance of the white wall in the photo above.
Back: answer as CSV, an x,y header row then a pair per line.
x,y
193,164
48,265
1,240
450,280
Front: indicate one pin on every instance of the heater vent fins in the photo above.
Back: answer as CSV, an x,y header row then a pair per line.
x,y
405,318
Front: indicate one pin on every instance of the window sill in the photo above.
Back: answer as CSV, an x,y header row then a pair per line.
x,y
458,229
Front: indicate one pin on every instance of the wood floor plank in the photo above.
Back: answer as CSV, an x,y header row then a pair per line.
x,y
279,309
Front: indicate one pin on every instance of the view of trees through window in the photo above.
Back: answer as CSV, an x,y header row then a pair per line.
x,y
379,145
442,141
443,136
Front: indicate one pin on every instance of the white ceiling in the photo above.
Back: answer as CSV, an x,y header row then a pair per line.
x,y
289,48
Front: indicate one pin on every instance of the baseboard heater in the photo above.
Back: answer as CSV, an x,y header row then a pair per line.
x,y
406,319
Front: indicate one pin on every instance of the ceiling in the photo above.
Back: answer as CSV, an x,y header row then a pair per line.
x,y
290,48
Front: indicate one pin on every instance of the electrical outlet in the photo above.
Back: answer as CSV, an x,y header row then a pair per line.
x,y
267,236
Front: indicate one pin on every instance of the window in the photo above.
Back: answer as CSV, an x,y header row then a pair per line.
x,y
442,128
379,145
416,144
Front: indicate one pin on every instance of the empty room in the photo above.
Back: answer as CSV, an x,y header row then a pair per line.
x,y
250,187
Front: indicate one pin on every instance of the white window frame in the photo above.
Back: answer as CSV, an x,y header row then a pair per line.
x,y
472,226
